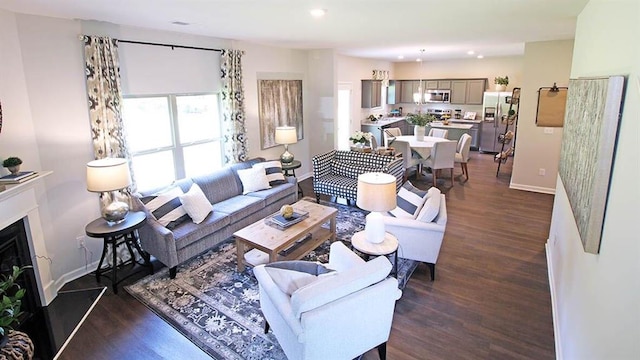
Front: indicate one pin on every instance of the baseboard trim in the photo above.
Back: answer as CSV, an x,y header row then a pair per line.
x,y
554,301
74,274
537,189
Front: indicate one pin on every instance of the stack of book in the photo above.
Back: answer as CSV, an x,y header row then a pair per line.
x,y
280,221
18,178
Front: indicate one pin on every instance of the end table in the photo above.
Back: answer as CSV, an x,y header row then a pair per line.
x,y
115,235
388,246
295,164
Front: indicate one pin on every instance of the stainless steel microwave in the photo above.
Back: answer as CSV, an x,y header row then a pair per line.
x,y
437,96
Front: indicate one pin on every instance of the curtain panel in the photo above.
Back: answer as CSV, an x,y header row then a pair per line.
x,y
233,119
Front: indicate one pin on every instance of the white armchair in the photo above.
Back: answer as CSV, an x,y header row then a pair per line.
x,y
418,239
339,316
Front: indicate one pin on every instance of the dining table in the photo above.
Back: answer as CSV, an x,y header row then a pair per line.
x,y
421,147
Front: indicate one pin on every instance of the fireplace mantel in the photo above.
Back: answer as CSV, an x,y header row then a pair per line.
x,y
19,201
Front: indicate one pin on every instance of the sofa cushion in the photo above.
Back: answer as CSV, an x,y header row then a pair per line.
x,y
275,193
188,233
218,185
408,204
240,207
431,207
196,204
332,184
273,169
352,170
165,206
253,179
289,276
409,186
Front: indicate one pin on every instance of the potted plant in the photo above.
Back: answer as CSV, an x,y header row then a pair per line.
x,y
11,295
13,164
419,121
501,83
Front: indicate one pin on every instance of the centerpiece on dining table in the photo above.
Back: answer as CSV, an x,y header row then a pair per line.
x,y
419,122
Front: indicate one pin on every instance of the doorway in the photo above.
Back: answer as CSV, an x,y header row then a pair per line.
x,y
345,90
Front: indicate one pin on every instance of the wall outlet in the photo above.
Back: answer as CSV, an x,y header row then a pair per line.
x,y
81,242
548,130
542,172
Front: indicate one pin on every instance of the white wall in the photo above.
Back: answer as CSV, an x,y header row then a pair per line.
x,y
596,298
545,63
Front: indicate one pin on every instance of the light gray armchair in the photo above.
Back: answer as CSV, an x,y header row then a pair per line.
x,y
339,316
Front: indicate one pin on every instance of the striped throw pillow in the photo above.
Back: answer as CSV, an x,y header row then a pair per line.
x,y
166,207
273,170
408,204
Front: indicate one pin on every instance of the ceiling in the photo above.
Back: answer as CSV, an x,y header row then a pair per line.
x,y
377,29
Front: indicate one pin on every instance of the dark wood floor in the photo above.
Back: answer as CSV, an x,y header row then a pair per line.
x,y
490,299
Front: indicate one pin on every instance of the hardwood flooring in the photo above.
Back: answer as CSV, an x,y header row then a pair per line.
x,y
490,298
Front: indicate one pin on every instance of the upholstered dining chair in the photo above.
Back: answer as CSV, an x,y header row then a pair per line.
x,y
462,153
410,158
390,133
442,157
441,133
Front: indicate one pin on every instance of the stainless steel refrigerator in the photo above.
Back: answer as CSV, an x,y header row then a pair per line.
x,y
494,105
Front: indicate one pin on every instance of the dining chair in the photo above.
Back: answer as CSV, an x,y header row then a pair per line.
x,y
374,144
462,153
442,157
441,133
389,134
409,158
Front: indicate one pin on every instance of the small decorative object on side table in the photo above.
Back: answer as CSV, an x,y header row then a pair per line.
x,y
118,234
388,246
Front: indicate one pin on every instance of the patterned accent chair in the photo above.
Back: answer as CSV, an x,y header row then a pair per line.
x,y
336,172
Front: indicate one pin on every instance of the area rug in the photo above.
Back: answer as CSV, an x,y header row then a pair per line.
x,y
218,308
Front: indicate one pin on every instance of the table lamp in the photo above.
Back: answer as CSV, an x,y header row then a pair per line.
x,y
109,175
286,135
376,193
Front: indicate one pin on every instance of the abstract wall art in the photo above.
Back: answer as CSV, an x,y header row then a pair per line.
x,y
279,104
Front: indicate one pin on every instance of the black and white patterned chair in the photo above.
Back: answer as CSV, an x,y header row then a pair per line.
x,y
336,172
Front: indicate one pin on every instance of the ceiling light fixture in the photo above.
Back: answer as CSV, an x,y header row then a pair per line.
x,y
400,57
318,13
471,52
417,96
480,56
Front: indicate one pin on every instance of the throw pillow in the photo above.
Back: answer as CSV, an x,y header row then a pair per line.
x,y
253,179
431,207
273,169
408,204
196,204
290,276
409,186
166,207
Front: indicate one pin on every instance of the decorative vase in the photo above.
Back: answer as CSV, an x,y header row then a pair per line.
x,y
14,169
501,87
419,132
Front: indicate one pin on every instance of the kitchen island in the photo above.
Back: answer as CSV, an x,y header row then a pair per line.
x,y
377,127
455,130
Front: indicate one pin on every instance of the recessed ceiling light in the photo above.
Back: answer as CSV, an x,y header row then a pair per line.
x,y
471,52
318,13
400,57
480,56
418,60
182,23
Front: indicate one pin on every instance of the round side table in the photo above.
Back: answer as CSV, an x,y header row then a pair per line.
x,y
295,164
115,235
388,246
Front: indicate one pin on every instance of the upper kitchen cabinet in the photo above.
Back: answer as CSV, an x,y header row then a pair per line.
x,y
393,92
371,93
407,89
468,92
438,84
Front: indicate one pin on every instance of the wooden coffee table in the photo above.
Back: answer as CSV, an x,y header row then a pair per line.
x,y
291,243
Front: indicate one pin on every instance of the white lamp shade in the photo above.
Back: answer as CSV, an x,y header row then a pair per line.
x,y
376,192
108,174
286,135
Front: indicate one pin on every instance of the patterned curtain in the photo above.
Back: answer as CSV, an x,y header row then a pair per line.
x,y
102,70
233,121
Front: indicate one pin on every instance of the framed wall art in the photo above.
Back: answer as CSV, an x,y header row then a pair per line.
x,y
279,104
588,144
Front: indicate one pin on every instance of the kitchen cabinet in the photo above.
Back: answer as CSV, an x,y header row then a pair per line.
x,y
371,93
408,88
475,131
467,92
394,92
437,84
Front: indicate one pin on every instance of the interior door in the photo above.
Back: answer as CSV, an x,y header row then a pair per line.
x,y
345,91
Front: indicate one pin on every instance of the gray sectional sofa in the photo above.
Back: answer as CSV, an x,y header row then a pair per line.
x,y
231,211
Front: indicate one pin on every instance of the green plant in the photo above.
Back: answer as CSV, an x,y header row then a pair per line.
x,y
11,295
11,161
501,80
420,119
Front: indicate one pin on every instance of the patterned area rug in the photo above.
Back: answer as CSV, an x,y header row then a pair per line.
x,y
218,308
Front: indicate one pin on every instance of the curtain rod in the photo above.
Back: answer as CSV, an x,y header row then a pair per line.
x,y
168,45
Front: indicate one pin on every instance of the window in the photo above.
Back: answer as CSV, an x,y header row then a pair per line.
x,y
172,136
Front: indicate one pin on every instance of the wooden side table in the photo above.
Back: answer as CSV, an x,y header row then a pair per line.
x,y
295,164
388,246
115,235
